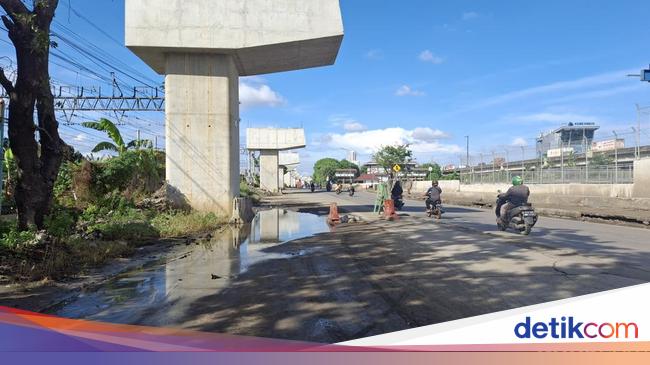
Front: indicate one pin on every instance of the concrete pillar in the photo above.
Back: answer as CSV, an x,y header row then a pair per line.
x,y
281,177
202,128
641,178
269,221
269,171
287,180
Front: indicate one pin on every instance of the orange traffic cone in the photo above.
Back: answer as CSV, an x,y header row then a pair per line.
x,y
334,217
389,209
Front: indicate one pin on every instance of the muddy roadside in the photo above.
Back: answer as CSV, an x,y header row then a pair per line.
x,y
39,296
47,295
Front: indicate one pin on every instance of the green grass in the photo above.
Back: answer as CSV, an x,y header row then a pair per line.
x,y
185,224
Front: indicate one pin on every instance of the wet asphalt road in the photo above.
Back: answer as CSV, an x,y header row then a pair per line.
x,y
585,237
370,278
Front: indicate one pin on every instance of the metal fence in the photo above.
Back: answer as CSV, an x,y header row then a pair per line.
x,y
567,175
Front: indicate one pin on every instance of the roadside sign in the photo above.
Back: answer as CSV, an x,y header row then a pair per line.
x,y
397,168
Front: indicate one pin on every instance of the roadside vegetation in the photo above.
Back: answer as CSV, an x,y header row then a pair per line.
x,y
326,168
387,157
102,209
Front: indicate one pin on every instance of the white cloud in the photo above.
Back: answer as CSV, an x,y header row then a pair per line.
x,y
80,137
421,140
596,94
600,80
428,134
349,124
254,92
375,54
354,127
428,56
519,142
406,90
470,15
556,118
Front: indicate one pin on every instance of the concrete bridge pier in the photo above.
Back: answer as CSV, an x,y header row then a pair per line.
x,y
202,47
269,170
270,141
202,128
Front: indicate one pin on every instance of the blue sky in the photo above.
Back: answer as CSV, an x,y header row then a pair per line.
x,y
429,73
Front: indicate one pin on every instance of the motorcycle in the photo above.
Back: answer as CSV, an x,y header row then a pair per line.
x,y
399,203
351,192
521,219
436,211
339,189
313,188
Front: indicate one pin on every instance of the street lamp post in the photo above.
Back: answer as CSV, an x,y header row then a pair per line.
x,y
637,149
482,163
507,164
467,163
494,168
615,157
523,161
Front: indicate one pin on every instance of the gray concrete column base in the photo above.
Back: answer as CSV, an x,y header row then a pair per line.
x,y
202,129
269,178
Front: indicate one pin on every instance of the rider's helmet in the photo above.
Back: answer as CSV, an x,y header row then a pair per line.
x,y
517,180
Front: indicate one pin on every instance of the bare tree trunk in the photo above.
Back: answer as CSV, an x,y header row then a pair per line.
x,y
38,164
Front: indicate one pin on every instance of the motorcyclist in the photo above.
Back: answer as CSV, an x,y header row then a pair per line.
x,y
515,197
328,186
433,195
397,191
396,194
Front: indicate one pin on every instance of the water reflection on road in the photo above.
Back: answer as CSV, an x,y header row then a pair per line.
x,y
159,293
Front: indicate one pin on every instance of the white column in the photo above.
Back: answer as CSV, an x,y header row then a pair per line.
x,y
269,171
202,127
280,178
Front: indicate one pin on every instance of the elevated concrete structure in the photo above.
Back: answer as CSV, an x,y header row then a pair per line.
x,y
270,141
261,36
203,46
289,162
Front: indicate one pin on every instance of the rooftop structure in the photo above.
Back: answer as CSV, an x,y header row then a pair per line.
x,y
576,137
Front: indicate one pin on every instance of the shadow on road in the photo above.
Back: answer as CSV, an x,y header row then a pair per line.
x,y
386,277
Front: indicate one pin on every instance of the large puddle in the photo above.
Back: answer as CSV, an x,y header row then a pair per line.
x,y
155,295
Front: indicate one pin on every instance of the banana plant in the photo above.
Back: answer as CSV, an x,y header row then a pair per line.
x,y
117,144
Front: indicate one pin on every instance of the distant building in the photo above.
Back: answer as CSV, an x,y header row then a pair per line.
x,y
352,157
574,137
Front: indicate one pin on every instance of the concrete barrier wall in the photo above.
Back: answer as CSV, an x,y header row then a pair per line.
x,y
621,200
582,190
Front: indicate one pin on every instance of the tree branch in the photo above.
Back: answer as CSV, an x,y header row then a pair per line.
x,y
4,81
13,8
8,23
45,10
